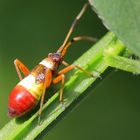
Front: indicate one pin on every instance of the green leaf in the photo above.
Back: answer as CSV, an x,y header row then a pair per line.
x,y
122,18
28,128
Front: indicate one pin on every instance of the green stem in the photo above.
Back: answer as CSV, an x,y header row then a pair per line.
x,y
93,61
122,63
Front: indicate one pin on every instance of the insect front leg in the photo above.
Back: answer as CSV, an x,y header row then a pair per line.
x,y
20,66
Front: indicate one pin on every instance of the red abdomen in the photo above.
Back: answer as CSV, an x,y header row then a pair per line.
x,y
20,101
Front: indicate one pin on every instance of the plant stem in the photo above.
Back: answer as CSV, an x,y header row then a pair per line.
x,y
122,63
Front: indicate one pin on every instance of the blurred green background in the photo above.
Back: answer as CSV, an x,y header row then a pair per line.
x,y
29,30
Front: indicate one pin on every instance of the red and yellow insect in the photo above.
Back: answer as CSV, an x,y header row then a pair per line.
x,y
28,92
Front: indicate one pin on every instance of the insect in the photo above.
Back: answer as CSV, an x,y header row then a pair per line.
x,y
31,89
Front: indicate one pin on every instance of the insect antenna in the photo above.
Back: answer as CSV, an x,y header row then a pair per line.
x,y
72,27
75,39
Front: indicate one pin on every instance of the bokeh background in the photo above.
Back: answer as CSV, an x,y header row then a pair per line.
x,y
29,30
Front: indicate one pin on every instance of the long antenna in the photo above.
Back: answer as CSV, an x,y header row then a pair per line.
x,y
73,26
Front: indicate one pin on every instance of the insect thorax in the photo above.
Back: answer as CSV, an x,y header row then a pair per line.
x,y
52,61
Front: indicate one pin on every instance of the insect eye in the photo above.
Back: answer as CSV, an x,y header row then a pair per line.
x,y
56,57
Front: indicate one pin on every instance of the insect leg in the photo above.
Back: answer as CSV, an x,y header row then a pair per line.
x,y
41,105
70,67
58,79
61,76
20,66
47,82
66,64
